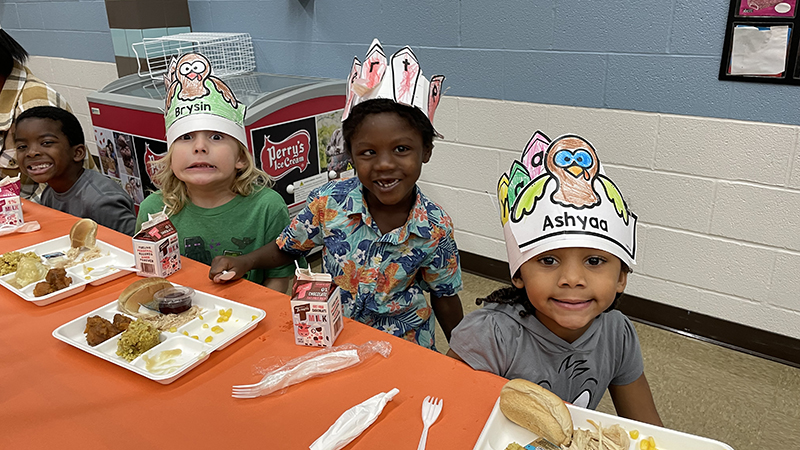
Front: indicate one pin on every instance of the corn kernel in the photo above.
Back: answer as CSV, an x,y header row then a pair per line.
x,y
196,337
186,333
254,317
652,443
644,444
209,339
634,434
205,325
173,329
217,329
200,316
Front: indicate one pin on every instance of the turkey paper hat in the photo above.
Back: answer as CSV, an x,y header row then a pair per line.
x,y
558,196
399,79
197,100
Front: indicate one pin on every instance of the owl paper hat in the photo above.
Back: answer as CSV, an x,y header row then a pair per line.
x,y
557,196
197,100
399,79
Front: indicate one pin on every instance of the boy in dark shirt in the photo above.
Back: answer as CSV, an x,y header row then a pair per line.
x,y
50,149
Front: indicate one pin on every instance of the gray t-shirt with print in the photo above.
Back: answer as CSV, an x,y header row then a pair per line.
x,y
496,339
95,197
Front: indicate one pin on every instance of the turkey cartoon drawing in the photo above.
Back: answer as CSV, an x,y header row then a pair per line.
x,y
558,195
188,75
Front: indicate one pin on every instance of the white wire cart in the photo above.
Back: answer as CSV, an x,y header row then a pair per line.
x,y
229,53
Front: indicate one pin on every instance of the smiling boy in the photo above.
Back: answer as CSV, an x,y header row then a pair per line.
x,y
50,149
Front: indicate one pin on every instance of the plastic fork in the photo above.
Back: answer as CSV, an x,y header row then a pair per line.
x,y
431,408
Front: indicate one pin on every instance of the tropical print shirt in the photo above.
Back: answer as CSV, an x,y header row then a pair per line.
x,y
382,276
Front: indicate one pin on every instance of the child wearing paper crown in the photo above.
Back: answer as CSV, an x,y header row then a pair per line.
x,y
219,202
384,242
571,241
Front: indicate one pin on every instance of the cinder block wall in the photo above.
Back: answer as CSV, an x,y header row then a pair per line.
x,y
716,199
712,168
74,79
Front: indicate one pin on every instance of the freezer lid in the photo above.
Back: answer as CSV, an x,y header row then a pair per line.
x,y
251,89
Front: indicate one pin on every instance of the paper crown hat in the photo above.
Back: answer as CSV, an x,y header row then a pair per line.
x,y
558,196
399,79
197,100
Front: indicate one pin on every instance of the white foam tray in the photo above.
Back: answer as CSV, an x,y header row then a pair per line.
x,y
499,432
194,351
99,275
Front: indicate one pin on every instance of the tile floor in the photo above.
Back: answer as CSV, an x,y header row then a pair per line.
x,y
702,388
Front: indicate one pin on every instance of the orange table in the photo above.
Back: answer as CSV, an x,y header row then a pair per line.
x,y
53,395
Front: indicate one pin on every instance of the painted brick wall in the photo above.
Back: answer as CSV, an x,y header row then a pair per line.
x,y
66,29
716,199
653,55
74,79
712,168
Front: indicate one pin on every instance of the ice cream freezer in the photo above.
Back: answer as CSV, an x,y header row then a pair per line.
x,y
293,127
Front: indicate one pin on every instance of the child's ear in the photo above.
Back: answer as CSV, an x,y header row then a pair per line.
x,y
79,152
241,162
426,154
623,281
516,280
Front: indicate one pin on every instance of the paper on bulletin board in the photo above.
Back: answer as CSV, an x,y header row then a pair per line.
x,y
767,8
759,50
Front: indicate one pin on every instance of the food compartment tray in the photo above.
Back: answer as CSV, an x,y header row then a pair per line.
x,y
499,432
192,338
93,272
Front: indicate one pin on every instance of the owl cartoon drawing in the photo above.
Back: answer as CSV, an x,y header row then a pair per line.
x,y
570,162
188,75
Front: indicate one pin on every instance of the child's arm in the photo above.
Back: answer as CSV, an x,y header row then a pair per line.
x,y
266,257
635,401
280,284
448,312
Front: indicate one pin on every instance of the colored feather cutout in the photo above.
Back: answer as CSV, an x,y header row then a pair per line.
x,y
614,195
526,202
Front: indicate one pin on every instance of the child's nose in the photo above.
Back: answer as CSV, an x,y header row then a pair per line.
x,y
200,145
572,275
385,161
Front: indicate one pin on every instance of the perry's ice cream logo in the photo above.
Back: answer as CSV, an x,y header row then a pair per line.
x,y
149,157
279,158
558,191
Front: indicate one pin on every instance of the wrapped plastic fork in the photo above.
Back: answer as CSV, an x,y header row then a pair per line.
x,y
314,364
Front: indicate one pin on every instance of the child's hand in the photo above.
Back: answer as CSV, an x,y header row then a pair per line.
x,y
226,268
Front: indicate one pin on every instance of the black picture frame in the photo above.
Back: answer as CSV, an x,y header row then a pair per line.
x,y
791,74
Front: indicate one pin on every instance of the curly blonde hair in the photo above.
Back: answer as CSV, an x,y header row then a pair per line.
x,y
248,179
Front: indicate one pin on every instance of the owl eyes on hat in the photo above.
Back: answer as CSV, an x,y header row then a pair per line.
x,y
196,67
580,157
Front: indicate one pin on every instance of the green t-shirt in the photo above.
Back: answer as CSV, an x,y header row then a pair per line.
x,y
235,228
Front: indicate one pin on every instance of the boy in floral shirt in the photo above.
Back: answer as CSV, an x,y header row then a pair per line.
x,y
384,242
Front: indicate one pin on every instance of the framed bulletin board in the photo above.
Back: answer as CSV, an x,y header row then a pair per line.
x,y
761,42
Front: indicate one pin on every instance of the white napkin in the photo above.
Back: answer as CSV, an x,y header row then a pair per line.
x,y
353,422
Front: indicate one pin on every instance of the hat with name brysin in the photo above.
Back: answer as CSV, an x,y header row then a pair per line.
x,y
197,100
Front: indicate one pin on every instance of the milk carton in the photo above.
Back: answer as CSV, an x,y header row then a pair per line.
x,y
155,247
10,204
316,311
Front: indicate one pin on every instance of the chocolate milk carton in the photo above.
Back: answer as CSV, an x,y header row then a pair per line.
x,y
155,247
10,204
316,309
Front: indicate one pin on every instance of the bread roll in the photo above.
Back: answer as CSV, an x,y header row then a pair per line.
x,y
538,410
140,292
83,233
